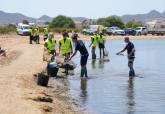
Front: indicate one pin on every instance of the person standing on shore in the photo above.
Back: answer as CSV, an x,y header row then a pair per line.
x,y
31,35
79,46
131,55
50,45
46,31
65,46
37,37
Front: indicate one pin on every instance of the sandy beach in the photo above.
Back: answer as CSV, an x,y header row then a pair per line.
x,y
19,92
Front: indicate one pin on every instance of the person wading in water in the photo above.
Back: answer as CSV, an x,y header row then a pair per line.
x,y
131,55
79,46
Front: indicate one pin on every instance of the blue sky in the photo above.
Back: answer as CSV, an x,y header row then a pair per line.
x,y
81,8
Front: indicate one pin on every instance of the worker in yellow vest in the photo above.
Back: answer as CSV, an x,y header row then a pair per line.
x,y
46,32
93,44
50,45
36,35
101,43
31,33
65,46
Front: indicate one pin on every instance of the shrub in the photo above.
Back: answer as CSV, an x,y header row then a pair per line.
x,y
7,29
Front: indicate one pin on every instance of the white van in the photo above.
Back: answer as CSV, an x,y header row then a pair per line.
x,y
23,29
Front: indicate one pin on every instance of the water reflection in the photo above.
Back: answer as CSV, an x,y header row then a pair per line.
x,y
130,96
83,87
94,64
101,63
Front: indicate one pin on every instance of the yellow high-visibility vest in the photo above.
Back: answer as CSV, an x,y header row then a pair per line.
x,y
94,39
65,46
36,32
50,45
101,39
46,32
30,32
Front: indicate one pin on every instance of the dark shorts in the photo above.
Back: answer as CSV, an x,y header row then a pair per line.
x,y
101,45
84,60
131,60
45,37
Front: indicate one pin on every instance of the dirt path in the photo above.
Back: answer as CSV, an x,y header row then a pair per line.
x,y
18,91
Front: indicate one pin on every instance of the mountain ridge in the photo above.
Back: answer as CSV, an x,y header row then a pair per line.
x,y
13,18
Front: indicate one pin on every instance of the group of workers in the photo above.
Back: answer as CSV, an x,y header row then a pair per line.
x,y
97,39
34,34
65,49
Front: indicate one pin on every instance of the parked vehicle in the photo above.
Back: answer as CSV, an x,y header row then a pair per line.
x,y
117,31
88,31
130,31
109,31
92,29
23,29
141,31
156,27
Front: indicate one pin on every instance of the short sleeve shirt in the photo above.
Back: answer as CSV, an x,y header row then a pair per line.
x,y
129,47
81,48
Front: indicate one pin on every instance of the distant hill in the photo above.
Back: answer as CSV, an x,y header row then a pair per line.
x,y
81,19
8,18
144,17
45,18
13,18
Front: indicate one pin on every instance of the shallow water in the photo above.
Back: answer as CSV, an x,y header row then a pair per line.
x,y
110,90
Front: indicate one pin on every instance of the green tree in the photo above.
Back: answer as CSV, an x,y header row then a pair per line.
x,y
103,21
62,22
133,24
111,21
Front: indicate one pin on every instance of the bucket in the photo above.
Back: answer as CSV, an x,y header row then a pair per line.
x,y
52,69
42,79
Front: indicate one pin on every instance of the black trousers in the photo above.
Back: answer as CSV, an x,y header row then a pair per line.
x,y
30,39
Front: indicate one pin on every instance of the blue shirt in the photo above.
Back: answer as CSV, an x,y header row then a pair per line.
x,y
81,48
129,48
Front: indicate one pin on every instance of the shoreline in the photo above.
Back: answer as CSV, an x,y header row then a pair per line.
x,y
19,90
58,36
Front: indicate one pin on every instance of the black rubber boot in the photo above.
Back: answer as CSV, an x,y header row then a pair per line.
x,y
82,72
86,74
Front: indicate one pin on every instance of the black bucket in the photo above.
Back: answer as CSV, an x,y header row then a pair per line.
x,y
52,69
42,79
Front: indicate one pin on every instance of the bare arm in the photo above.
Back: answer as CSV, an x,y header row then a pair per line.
x,y
121,51
73,54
